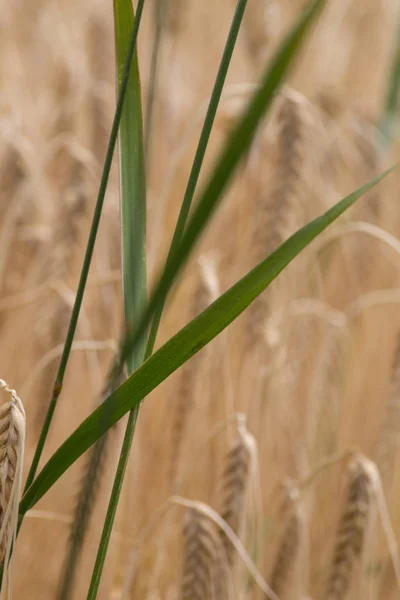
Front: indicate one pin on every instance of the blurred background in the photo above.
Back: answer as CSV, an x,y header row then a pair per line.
x,y
293,403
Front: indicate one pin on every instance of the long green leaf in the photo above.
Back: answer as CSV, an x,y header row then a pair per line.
x,y
133,224
234,149
132,181
180,348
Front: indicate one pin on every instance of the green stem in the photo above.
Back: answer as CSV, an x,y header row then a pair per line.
x,y
112,505
88,256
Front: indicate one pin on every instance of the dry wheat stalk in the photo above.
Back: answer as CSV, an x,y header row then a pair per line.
x,y
389,435
205,575
352,528
289,546
12,441
235,484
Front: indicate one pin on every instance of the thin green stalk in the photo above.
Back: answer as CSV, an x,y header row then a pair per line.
x,y
198,159
112,505
88,254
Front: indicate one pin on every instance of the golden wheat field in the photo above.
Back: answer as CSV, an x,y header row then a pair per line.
x,y
268,465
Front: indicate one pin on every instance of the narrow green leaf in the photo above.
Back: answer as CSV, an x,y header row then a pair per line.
x,y
181,347
234,149
113,504
133,230
132,181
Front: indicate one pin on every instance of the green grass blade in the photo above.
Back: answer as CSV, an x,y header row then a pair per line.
x,y
132,181
133,223
87,260
234,149
181,347
199,157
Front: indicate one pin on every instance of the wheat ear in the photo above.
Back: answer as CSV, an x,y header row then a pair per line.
x,y
205,575
279,209
352,528
12,442
235,483
288,551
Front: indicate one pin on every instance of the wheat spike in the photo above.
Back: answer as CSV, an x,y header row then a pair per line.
x,y
351,531
235,480
288,551
279,209
205,576
12,441
271,231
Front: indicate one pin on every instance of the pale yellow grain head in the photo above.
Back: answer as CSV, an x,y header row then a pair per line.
x,y
12,440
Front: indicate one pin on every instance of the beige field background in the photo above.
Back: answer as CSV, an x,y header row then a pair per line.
x,y
276,420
